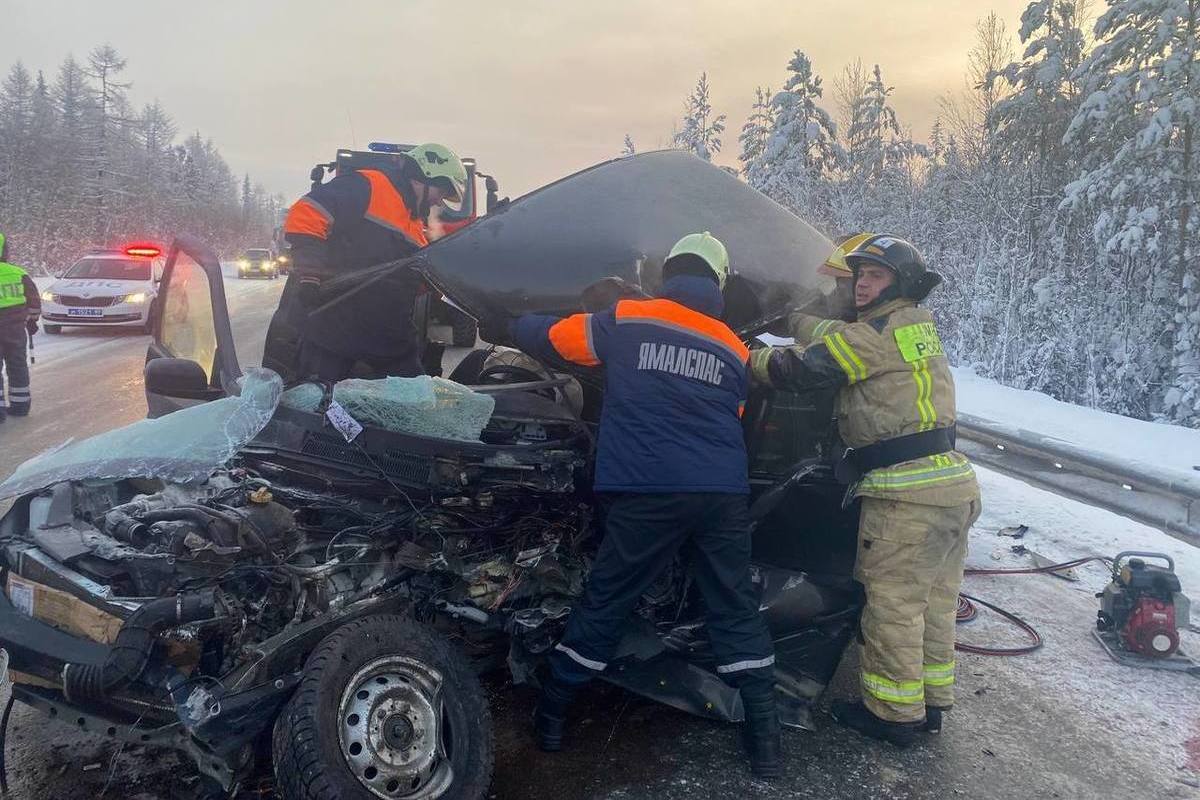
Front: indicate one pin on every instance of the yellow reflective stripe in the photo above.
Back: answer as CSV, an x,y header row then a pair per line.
x,y
890,691
849,361
858,364
846,366
939,674
822,326
953,464
924,381
912,478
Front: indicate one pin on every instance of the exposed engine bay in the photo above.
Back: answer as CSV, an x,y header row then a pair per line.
x,y
273,556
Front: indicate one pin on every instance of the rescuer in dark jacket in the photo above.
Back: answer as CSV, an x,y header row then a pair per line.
x,y
20,308
355,221
672,458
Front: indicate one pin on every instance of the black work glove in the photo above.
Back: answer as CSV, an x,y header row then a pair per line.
x,y
310,293
31,325
496,330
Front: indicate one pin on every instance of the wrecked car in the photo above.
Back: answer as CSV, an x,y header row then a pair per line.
x,y
312,577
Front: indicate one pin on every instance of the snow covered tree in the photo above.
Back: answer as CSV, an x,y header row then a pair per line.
x,y
109,105
875,140
628,149
1136,127
802,150
1013,126
1028,125
16,118
78,169
701,131
757,130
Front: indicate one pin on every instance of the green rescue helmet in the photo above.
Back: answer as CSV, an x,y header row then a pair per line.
x,y
914,279
440,166
706,247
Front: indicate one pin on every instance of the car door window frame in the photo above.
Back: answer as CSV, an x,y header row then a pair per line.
x,y
225,370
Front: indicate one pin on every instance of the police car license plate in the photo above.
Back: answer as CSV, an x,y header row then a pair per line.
x,y
85,312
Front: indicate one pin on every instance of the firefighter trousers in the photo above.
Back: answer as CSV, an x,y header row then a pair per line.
x,y
910,561
14,364
643,533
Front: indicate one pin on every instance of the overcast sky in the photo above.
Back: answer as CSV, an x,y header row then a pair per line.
x,y
534,90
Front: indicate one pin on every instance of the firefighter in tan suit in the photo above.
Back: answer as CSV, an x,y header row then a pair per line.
x,y
895,413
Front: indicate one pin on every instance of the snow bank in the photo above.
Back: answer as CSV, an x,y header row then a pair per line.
x,y
1168,447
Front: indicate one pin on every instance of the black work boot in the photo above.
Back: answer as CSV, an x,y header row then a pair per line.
x,y
933,718
760,732
3,413
857,716
550,715
19,409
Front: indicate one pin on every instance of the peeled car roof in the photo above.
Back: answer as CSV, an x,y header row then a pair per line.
x,y
620,218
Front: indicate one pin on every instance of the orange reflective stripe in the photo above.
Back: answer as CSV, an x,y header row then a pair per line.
x,y
307,217
572,338
672,315
387,208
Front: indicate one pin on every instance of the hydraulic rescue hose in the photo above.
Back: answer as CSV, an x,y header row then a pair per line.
x,y
967,610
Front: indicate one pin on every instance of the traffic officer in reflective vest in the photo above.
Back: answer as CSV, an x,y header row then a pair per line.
x,y
672,462
358,220
20,308
895,412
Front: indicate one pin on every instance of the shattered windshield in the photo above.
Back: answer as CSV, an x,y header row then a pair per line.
x,y
188,445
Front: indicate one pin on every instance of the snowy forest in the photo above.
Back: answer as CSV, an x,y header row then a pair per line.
x,y
1056,193
81,168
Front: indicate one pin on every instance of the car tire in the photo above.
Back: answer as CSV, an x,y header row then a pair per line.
x,y
466,330
331,738
52,329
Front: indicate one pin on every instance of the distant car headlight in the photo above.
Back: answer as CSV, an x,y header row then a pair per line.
x,y
282,259
136,298
243,263
48,297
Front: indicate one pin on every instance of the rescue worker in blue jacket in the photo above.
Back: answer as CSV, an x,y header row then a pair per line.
x,y
355,221
672,463
20,308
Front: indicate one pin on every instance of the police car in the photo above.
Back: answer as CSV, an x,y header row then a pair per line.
x,y
106,288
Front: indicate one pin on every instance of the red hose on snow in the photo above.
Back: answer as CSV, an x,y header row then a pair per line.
x,y
967,611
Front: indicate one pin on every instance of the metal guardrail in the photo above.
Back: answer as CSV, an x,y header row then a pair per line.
x,y
1145,493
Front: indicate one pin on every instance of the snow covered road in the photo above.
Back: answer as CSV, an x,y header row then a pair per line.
x,y
89,380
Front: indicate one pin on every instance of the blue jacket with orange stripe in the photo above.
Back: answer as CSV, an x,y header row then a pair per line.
x,y
675,385
357,220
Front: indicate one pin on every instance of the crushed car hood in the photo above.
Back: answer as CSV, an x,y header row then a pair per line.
x,y
620,218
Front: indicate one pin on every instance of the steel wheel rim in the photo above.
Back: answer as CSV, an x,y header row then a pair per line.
x,y
393,730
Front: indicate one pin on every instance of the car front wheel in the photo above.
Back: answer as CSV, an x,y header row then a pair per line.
x,y
387,708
